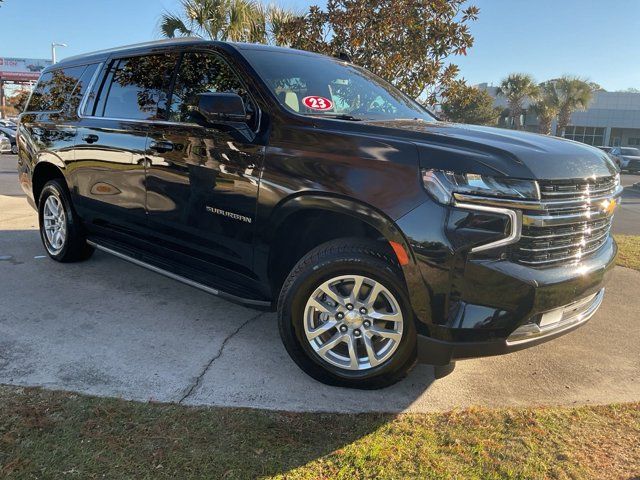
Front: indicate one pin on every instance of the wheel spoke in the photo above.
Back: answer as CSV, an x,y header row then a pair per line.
x,y
353,354
376,288
318,305
386,317
371,354
355,292
331,343
385,333
324,328
326,289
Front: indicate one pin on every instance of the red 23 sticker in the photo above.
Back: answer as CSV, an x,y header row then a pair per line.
x,y
317,103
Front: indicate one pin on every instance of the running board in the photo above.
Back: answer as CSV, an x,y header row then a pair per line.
x,y
181,279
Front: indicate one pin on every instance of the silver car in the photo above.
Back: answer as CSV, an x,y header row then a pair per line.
x,y
614,154
5,144
630,159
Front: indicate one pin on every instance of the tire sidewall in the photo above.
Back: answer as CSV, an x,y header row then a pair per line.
x,y
292,320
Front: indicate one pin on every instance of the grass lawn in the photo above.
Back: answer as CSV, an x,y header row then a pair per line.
x,y
61,435
629,251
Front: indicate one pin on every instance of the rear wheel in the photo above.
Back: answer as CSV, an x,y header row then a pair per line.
x,y
345,318
60,227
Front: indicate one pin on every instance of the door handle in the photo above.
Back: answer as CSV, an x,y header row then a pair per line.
x,y
91,138
161,147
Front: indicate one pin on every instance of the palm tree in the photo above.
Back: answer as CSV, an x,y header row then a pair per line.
x,y
233,20
516,88
573,94
547,107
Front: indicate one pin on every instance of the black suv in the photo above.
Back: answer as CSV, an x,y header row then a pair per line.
x,y
280,178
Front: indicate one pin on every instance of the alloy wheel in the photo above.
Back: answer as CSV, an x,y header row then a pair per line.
x,y
353,322
54,224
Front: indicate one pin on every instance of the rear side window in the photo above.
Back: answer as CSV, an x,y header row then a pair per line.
x,y
81,87
136,88
54,88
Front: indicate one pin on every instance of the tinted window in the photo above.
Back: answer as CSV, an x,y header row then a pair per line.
x,y
54,88
318,85
201,73
135,88
81,87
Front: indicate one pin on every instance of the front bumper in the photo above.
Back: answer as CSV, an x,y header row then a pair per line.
x,y
570,317
474,305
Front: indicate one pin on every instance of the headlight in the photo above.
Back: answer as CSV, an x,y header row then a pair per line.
x,y
442,185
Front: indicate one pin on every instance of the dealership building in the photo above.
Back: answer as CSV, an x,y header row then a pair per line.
x,y
613,118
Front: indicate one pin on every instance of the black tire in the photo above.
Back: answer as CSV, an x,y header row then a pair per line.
x,y
75,247
336,258
14,149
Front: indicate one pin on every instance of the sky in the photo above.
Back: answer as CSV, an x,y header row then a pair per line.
x,y
595,39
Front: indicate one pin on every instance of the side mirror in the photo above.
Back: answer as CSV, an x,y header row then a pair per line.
x,y
217,107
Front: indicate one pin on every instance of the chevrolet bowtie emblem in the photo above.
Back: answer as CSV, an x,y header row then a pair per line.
x,y
609,206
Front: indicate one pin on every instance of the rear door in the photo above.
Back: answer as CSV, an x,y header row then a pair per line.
x,y
49,123
110,152
202,179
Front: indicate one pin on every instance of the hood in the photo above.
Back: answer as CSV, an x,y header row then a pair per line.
x,y
495,151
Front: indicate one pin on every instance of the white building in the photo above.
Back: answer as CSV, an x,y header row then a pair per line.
x,y
613,118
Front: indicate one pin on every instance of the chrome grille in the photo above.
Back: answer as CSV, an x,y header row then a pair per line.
x,y
571,221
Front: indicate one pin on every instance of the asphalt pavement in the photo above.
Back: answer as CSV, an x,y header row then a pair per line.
x,y
109,328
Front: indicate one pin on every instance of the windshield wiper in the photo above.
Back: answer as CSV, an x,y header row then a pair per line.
x,y
338,116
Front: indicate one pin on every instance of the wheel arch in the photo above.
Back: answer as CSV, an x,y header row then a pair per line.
x,y
44,172
289,239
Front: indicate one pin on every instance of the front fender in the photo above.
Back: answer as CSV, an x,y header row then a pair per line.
x,y
366,213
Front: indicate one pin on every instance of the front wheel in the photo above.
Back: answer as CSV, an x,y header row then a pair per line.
x,y
345,318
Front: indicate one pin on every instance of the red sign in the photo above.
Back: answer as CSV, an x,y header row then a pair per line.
x,y
317,103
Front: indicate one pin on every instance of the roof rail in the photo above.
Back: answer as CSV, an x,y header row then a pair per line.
x,y
152,43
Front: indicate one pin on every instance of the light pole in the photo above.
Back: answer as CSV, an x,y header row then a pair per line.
x,y
53,50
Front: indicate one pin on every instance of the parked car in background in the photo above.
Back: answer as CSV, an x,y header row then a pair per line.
x,y
11,135
8,123
630,159
614,154
5,144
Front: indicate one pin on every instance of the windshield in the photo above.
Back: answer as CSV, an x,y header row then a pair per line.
x,y
632,152
323,86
